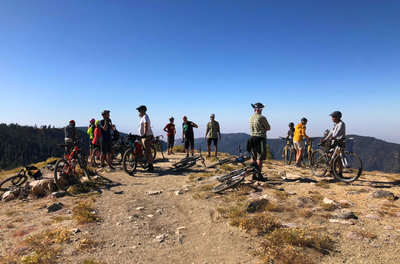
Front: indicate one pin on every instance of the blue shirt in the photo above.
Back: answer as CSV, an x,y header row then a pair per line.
x,y
105,134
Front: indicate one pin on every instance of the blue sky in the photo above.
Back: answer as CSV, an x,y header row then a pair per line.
x,y
62,60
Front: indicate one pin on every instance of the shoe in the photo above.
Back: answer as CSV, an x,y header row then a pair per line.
x,y
297,165
208,156
150,168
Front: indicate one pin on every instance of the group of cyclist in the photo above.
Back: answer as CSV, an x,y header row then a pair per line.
x,y
100,134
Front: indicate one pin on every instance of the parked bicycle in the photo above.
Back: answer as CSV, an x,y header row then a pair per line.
x,y
305,159
117,152
135,154
20,178
288,152
232,159
188,162
65,170
345,165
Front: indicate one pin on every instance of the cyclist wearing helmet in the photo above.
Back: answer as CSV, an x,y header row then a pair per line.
x,y
146,133
96,139
171,131
70,136
90,132
298,140
213,133
188,135
290,133
257,143
338,133
105,140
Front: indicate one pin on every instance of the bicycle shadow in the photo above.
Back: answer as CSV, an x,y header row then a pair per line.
x,y
376,184
104,183
162,171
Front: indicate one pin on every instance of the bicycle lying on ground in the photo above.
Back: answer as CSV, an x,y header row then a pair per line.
x,y
288,152
188,162
232,159
20,178
345,165
135,154
65,171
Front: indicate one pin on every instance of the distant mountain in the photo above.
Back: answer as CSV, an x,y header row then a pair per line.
x,y
375,154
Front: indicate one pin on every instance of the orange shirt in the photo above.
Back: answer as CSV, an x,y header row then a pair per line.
x,y
299,132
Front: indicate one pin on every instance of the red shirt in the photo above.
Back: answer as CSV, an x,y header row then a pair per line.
x,y
96,136
170,129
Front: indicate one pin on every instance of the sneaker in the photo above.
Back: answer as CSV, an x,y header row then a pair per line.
x,y
150,168
297,165
208,156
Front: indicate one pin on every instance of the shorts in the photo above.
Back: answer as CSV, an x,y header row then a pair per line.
x,y
106,147
171,141
212,139
298,145
189,141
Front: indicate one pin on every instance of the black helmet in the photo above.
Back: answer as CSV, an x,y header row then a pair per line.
x,y
142,108
304,120
336,114
105,112
258,106
291,124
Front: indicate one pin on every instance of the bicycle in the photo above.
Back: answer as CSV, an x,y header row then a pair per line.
x,y
232,159
288,152
117,152
188,162
157,142
345,165
20,178
234,178
305,159
65,173
135,154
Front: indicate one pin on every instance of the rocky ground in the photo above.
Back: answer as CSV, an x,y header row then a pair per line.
x,y
167,217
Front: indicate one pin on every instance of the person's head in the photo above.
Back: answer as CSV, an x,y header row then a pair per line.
x,y
336,116
291,125
106,114
258,107
142,110
304,120
171,120
72,123
92,121
212,117
185,119
97,123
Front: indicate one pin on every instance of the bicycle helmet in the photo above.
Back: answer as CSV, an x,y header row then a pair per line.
x,y
92,120
97,122
142,108
258,105
105,112
291,124
72,121
304,120
336,114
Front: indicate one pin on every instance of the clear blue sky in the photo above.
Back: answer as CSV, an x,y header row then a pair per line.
x,y
62,60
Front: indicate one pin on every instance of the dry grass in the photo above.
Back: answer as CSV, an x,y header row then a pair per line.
x,y
316,196
234,214
202,191
87,244
204,175
281,195
323,184
90,261
366,234
259,224
84,212
59,218
24,231
178,149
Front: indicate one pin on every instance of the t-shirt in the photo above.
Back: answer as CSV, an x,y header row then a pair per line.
x,y
96,136
145,119
290,133
338,131
70,132
170,129
188,130
105,134
258,125
299,132
212,129
90,131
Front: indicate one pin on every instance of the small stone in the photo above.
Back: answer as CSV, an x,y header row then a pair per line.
x,y
383,194
76,230
113,244
54,207
282,174
198,179
388,227
153,192
343,222
257,205
289,225
373,216
180,239
354,236
140,208
345,203
345,214
133,217
160,238
150,216
178,192
159,212
328,201
57,194
8,196
180,229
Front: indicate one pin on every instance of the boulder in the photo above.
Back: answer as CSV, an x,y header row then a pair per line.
x,y
257,205
54,207
42,187
345,214
383,194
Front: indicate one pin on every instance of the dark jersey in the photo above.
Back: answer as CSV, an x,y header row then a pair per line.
x,y
188,130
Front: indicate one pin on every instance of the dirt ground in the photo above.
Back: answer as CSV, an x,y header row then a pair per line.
x,y
167,217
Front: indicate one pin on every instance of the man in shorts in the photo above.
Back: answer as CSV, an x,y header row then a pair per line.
x,y
105,139
257,144
188,135
70,136
298,140
90,132
147,135
171,131
213,133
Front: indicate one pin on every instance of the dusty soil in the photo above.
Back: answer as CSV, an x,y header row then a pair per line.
x,y
180,222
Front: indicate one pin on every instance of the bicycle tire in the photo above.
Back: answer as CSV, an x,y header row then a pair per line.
x,y
188,164
83,165
287,155
96,156
129,162
116,156
230,175
230,183
153,152
16,180
61,174
350,173
319,163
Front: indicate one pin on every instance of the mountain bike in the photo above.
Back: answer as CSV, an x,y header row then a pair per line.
x,y
118,149
345,165
288,152
188,162
234,178
157,144
305,159
232,159
20,178
135,154
65,171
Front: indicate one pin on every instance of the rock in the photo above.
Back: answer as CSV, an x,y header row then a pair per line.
x,y
8,196
289,225
113,244
133,217
180,239
343,222
180,229
57,194
150,216
282,174
198,179
383,194
344,214
140,208
303,202
328,201
354,236
345,204
153,192
54,207
159,212
160,238
178,192
388,227
373,216
41,187
255,195
257,205
76,230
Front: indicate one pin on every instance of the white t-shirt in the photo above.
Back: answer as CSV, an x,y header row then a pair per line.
x,y
143,120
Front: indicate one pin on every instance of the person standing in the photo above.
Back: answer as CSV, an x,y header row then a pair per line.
x,y
257,144
298,140
90,132
171,131
96,141
105,139
147,135
290,132
70,136
213,133
188,135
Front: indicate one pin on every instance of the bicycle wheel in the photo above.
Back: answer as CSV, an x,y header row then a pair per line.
x,y
129,161
319,163
14,181
96,156
62,175
82,170
287,155
230,175
117,156
348,173
230,183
